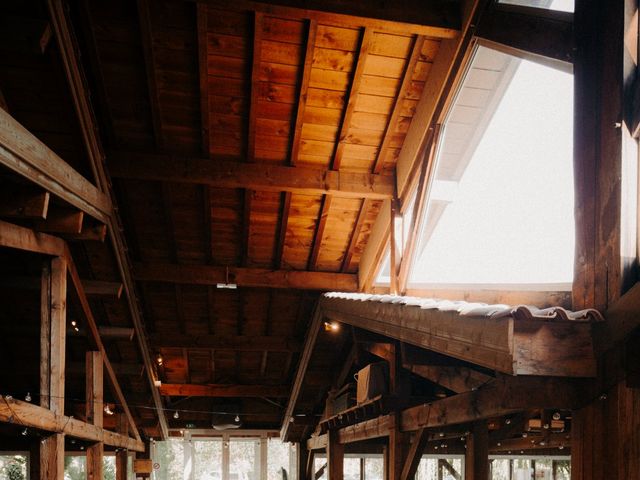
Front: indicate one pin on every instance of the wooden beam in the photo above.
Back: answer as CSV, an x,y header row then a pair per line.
x,y
73,71
392,122
355,234
503,396
93,412
258,26
21,238
224,391
101,288
457,379
245,277
146,38
122,455
24,154
282,229
89,233
304,86
243,343
319,233
85,308
399,19
258,176
81,99
34,416
415,454
303,364
203,70
375,249
61,221
24,203
525,33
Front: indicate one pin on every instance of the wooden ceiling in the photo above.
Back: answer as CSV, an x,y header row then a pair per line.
x,y
248,144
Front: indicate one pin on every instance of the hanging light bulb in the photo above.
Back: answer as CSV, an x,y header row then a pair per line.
x,y
556,416
159,359
73,323
176,415
25,432
27,397
237,419
107,409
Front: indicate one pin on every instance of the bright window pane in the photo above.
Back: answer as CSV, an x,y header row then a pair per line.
x,y
501,202
208,460
561,5
373,468
13,467
74,467
243,457
278,457
170,456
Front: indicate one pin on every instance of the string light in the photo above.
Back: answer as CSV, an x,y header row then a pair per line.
x,y
237,419
107,409
27,397
159,359
331,327
176,415
556,416
25,432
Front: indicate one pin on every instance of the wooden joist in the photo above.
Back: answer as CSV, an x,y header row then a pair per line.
x,y
402,19
34,416
457,379
61,222
256,176
220,391
238,342
245,277
24,203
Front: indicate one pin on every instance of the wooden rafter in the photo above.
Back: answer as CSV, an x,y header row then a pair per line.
x,y
303,364
258,22
219,391
245,277
355,234
80,199
352,95
203,72
146,37
304,86
285,205
400,19
402,92
258,176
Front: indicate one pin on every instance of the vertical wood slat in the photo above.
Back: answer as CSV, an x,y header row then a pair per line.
x,y
52,362
94,405
304,86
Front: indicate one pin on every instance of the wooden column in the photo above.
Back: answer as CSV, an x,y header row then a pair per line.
x,y
477,454
122,455
397,448
304,457
335,456
94,406
53,316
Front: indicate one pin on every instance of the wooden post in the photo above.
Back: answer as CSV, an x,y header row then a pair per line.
x,y
94,405
335,456
397,447
122,455
52,357
477,454
304,457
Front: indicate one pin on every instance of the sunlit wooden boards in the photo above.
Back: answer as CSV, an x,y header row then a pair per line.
x,y
269,75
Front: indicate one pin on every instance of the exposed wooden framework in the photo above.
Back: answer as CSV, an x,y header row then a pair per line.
x,y
219,391
246,277
262,177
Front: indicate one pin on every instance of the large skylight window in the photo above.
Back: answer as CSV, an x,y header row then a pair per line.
x,y
560,5
500,209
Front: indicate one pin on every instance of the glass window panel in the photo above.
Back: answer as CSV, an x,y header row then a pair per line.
x,y
75,467
374,468
563,469
109,467
169,455
320,463
13,467
208,460
561,5
501,202
500,469
351,469
278,456
243,456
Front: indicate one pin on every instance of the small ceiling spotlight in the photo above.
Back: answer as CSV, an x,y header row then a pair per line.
x,y
331,327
